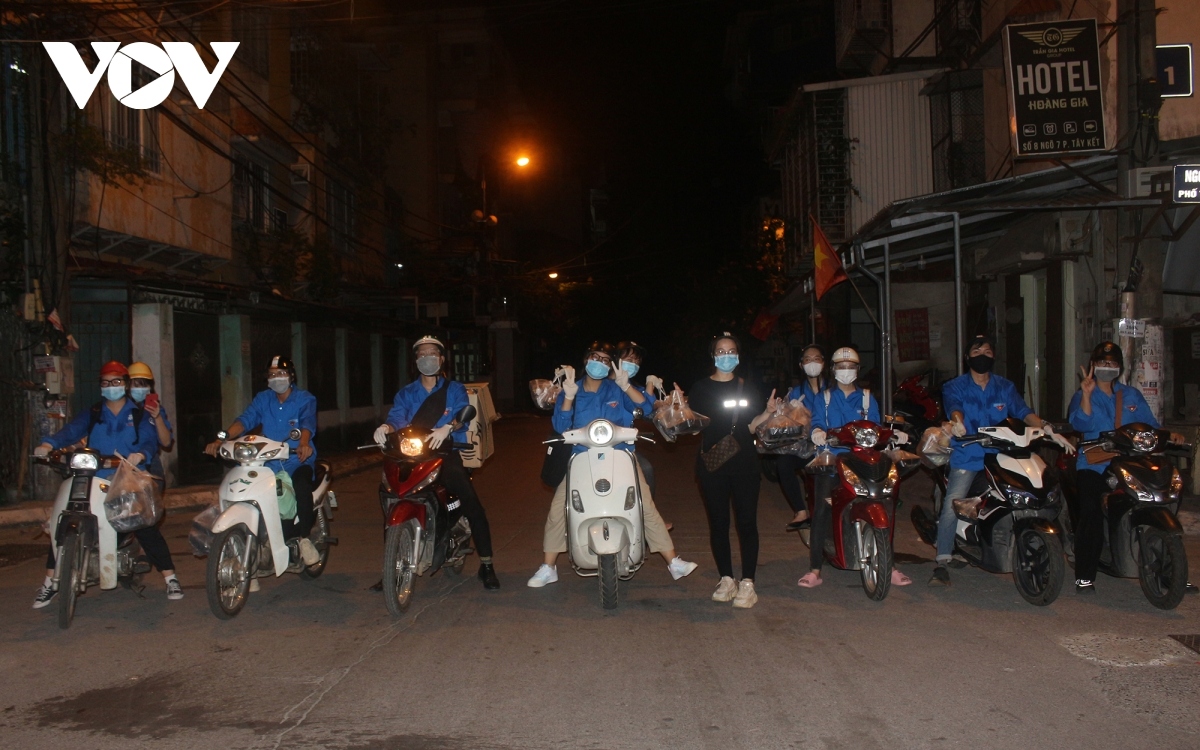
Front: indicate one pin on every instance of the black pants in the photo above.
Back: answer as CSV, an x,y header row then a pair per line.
x,y
789,480
153,544
647,471
1089,529
822,521
734,483
302,483
454,476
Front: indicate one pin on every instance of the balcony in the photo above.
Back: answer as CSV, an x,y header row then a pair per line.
x,y
864,31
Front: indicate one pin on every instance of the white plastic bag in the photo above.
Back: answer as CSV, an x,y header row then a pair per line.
x,y
934,447
201,535
675,417
785,432
133,500
545,392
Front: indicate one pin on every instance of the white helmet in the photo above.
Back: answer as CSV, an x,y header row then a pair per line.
x,y
429,340
845,354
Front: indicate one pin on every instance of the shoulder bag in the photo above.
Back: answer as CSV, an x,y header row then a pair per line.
x,y
727,447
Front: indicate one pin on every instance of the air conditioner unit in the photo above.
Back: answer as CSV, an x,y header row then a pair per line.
x,y
300,173
1066,235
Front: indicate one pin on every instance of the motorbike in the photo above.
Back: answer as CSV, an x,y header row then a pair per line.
x,y
248,538
864,500
1143,538
425,529
1009,522
916,403
88,550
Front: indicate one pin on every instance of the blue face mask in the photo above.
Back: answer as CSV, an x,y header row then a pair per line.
x,y
113,392
630,368
139,394
597,370
726,362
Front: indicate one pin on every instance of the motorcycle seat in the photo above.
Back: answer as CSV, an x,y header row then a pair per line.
x,y
320,471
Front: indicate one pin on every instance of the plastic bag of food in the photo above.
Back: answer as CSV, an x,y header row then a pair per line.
x,y
201,535
934,447
133,501
824,463
545,392
786,431
287,495
676,418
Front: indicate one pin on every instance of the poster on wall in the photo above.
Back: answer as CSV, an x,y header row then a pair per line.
x,y
912,334
1147,376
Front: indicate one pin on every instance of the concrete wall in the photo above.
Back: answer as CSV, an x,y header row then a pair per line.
x,y
153,334
938,297
1180,23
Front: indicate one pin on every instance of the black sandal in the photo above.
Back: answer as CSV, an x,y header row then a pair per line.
x,y
797,525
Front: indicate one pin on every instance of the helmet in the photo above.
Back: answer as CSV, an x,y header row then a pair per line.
x,y
625,347
283,363
978,340
600,346
1108,350
845,354
140,370
429,340
114,369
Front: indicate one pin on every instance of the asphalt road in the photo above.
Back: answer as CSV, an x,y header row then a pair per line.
x,y
320,664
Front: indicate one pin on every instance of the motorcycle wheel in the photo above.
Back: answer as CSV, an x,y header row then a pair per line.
x,y
70,571
877,572
1163,567
1038,566
608,581
319,537
227,581
399,566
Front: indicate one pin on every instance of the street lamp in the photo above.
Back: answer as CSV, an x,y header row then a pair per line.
x,y
522,161
554,274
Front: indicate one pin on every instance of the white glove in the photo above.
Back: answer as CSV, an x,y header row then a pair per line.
x,y
569,386
135,458
818,437
1062,441
438,436
621,377
382,432
958,429
654,384
41,451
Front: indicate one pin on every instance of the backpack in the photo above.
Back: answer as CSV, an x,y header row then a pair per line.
x,y
866,409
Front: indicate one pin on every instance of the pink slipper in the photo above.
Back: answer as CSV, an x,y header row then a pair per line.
x,y
899,579
810,580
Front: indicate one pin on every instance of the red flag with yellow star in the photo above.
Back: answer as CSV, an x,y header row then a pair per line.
x,y
827,266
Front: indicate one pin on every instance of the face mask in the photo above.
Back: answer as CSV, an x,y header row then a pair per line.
x,y
981,363
139,394
279,385
597,370
1106,374
726,362
429,364
630,368
113,392
846,377
813,369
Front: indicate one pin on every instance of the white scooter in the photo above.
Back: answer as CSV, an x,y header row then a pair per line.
x,y
605,537
248,535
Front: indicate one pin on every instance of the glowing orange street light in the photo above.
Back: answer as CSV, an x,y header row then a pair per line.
x,y
554,274
522,161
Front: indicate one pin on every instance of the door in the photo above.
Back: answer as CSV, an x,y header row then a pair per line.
x,y
197,395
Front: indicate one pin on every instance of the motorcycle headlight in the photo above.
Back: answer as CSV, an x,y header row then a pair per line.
x,y
1021,498
866,437
412,446
600,432
85,461
1145,442
893,479
1143,493
1176,484
245,451
270,454
853,480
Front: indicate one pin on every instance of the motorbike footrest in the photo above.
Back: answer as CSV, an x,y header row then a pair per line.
x,y
141,567
331,540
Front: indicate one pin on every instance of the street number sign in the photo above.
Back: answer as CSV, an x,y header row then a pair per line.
x,y
1174,63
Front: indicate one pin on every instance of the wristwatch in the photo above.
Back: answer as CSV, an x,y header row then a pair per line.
x,y
222,435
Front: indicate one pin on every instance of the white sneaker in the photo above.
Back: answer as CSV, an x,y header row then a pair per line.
x,y
174,590
308,552
680,567
254,585
726,590
45,595
545,574
746,598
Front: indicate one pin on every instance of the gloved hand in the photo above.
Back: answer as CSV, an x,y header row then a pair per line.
x,y
382,432
957,428
1062,441
654,383
569,386
818,437
620,377
438,436
135,458
42,450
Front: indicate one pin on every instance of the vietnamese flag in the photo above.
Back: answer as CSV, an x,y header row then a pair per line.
x,y
763,325
827,266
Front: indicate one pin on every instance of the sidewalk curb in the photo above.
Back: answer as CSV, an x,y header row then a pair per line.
x,y
194,497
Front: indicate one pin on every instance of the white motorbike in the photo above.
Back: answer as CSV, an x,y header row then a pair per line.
x,y
248,538
605,537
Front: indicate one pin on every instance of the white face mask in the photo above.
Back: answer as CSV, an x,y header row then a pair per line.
x,y
429,365
813,369
846,377
1106,374
279,385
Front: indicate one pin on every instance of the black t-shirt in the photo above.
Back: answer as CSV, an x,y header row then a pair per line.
x,y
709,397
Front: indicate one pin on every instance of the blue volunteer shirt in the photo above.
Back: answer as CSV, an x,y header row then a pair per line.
x,y
843,408
297,412
1104,415
156,467
980,407
805,392
648,407
409,399
113,434
608,402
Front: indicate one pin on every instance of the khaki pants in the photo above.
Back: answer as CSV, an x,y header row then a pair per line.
x,y
555,539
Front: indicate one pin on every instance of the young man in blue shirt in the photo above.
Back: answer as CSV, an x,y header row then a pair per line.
x,y
430,354
597,396
114,426
280,409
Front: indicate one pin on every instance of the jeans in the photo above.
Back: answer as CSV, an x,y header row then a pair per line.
x,y
734,483
958,486
822,519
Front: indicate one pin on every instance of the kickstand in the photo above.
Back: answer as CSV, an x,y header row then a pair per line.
x,y
134,585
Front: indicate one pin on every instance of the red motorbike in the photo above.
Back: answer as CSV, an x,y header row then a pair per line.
x,y
867,483
918,405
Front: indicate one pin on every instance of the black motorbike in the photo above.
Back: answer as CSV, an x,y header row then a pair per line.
x,y
1009,521
1143,538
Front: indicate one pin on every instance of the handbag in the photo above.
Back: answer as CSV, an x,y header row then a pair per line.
x,y
1097,454
554,466
727,447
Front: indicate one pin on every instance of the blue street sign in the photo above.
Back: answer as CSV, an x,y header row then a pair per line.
x,y
1187,183
1174,69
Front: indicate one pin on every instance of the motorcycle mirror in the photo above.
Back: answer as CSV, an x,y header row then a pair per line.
x,y
638,413
294,435
465,414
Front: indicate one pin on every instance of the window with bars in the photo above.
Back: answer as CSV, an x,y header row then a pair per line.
x,y
304,59
249,194
832,161
339,214
250,28
136,129
956,120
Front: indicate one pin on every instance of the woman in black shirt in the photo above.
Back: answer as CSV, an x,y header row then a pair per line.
x,y
732,404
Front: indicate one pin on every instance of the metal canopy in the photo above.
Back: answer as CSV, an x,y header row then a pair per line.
x,y
119,247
